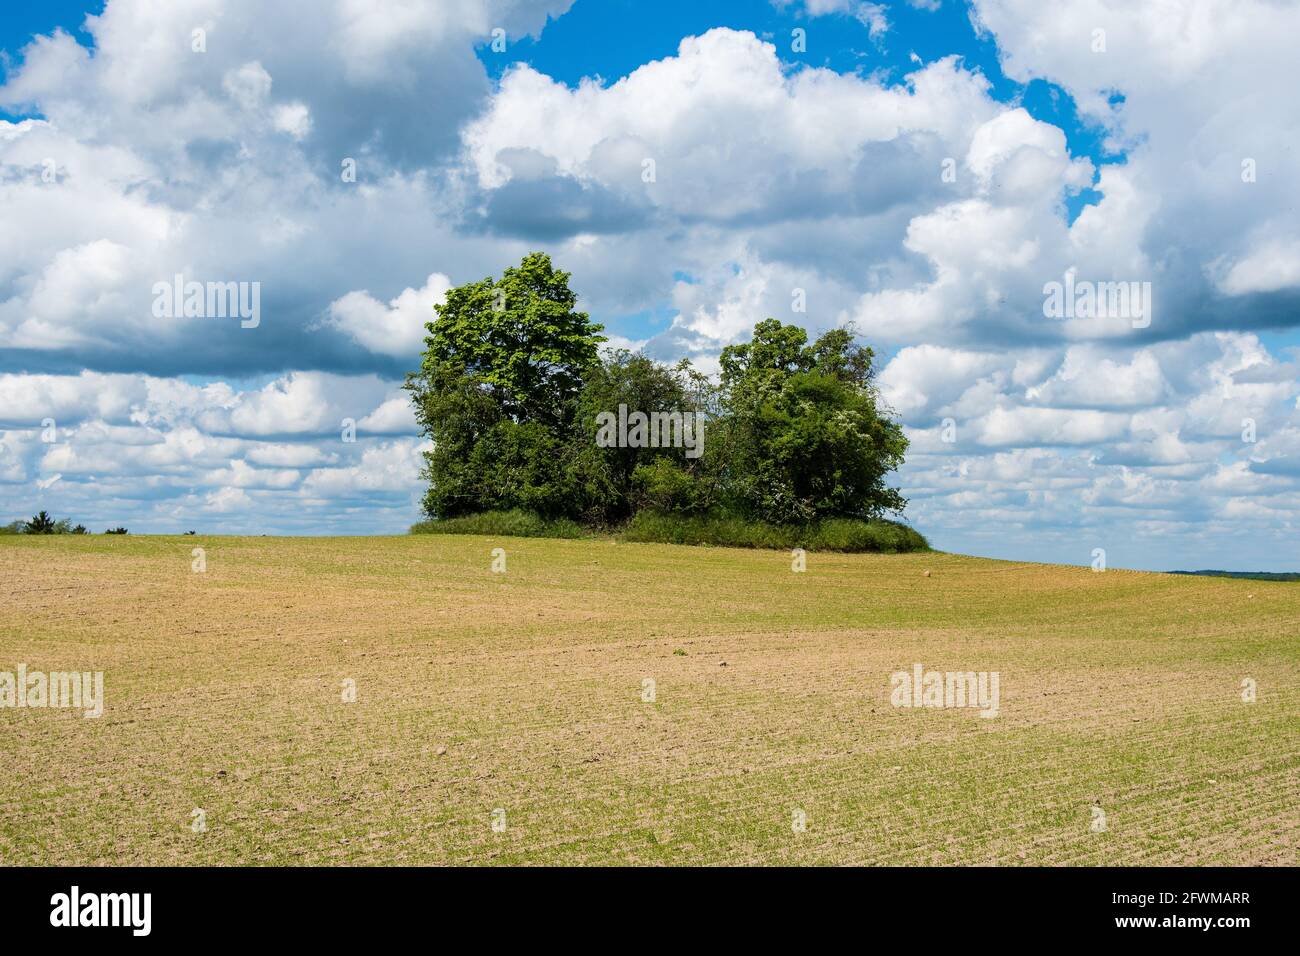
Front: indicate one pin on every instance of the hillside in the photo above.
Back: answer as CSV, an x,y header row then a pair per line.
x,y
524,691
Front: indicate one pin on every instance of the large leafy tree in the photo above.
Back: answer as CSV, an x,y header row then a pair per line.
x,y
504,363
809,437
519,338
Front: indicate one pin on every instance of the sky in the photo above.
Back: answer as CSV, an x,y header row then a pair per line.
x,y
922,170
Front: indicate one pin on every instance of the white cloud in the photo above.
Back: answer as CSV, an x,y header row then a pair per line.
x,y
768,178
1270,267
396,329
1088,377
248,85
154,453
387,467
293,118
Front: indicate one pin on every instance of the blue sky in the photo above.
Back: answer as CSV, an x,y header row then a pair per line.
x,y
1107,140
23,21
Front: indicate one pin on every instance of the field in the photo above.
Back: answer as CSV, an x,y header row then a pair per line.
x,y
524,692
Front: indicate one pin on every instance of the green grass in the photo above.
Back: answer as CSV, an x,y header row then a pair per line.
x,y
879,536
838,534
515,524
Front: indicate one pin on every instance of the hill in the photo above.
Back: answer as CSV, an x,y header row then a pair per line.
x,y
604,702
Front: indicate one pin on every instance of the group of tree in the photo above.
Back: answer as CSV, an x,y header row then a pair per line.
x,y
513,384
43,523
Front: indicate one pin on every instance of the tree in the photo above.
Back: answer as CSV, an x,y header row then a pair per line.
x,y
518,337
40,523
504,364
811,441
513,391
615,481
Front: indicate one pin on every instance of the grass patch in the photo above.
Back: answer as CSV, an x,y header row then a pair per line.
x,y
514,524
835,534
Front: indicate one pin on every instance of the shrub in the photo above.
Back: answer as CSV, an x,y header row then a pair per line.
x,y
726,531
43,523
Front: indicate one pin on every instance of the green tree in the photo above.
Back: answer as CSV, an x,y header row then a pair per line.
x,y
512,389
809,438
504,364
519,337
615,481
40,523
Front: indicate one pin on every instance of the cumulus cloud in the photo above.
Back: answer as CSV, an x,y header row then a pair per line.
x,y
393,329
151,453
698,194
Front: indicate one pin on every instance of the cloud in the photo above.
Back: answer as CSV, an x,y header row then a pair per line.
x,y
396,329
154,453
1271,267
870,15
697,194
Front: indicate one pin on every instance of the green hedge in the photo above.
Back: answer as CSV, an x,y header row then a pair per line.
x,y
833,534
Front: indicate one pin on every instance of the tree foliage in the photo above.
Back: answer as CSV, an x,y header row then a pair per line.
x,y
810,439
43,523
40,523
512,388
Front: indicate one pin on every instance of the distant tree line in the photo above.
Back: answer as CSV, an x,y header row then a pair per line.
x,y
43,523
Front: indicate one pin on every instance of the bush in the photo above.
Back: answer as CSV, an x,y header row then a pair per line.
x,y
43,523
514,524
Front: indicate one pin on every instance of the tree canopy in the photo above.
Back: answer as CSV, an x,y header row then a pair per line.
x,y
513,390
